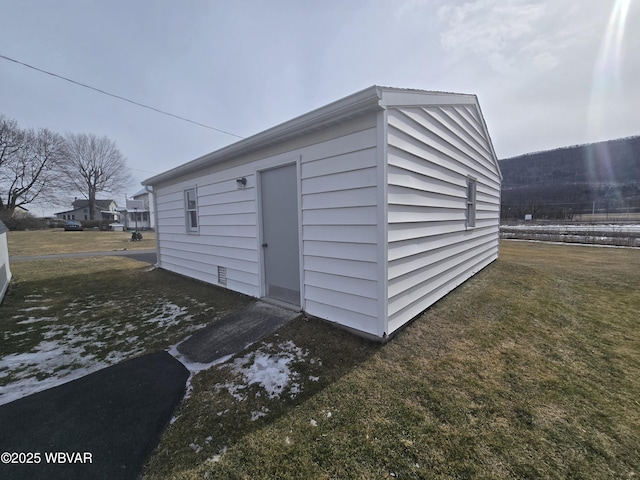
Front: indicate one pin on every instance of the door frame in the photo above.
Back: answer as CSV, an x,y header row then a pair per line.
x,y
260,236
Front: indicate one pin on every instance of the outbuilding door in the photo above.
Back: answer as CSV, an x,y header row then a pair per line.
x,y
279,200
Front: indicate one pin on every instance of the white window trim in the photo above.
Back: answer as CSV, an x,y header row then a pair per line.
x,y
187,211
472,191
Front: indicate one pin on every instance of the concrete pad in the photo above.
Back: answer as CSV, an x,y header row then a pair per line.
x,y
234,332
109,421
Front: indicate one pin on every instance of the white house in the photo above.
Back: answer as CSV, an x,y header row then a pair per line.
x,y
363,212
5,267
103,210
138,212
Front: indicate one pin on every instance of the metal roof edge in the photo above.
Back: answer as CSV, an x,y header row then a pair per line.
x,y
350,106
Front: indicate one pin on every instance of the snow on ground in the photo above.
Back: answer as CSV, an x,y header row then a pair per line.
x,y
272,372
66,352
613,228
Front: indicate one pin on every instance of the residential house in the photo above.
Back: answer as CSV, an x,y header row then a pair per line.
x,y
103,210
138,212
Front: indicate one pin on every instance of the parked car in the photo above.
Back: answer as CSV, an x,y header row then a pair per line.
x,y
73,226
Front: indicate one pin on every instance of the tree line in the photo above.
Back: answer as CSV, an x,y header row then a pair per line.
x,y
582,179
39,166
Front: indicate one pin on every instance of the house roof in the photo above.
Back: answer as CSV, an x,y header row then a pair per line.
x,y
101,204
365,101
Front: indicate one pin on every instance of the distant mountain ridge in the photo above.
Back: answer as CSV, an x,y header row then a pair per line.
x,y
575,179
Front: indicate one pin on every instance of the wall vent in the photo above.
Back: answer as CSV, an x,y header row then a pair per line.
x,y
222,275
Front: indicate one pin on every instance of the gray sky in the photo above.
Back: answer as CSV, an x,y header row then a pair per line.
x,y
548,73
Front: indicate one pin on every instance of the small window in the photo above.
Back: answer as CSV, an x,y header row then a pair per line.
x,y
191,209
471,202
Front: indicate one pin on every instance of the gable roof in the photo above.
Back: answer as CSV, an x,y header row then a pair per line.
x,y
101,204
369,100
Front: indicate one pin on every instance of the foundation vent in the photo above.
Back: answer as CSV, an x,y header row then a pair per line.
x,y
222,275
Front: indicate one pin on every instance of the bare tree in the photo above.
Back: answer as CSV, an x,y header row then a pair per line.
x,y
94,165
30,164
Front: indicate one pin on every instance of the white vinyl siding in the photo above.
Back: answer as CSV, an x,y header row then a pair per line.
x,y
435,153
228,220
339,217
5,267
398,206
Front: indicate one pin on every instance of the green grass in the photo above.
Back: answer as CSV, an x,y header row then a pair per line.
x,y
529,370
61,317
56,240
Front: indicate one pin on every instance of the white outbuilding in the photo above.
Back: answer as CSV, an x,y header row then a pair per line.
x,y
5,267
363,212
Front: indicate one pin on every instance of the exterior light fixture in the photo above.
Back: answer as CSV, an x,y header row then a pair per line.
x,y
241,182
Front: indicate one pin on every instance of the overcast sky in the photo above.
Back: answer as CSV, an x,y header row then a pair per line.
x,y
547,73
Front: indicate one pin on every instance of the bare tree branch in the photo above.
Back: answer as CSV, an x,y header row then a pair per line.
x,y
94,165
30,163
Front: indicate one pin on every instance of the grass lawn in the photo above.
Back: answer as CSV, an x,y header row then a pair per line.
x,y
529,370
62,319
56,240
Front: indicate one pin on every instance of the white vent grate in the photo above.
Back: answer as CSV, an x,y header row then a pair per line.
x,y
222,275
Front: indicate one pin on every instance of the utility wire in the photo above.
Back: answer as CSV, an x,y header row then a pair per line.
x,y
118,96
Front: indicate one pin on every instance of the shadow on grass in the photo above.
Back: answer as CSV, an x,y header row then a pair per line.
x,y
222,410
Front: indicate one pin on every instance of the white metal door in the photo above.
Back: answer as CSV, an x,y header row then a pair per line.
x,y
279,200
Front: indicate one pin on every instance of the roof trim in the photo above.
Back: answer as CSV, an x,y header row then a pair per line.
x,y
369,100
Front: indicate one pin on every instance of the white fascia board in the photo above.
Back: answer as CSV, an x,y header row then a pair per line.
x,y
359,103
391,97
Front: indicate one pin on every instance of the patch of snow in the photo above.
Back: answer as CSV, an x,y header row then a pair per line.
x,y
313,423
36,320
62,355
216,458
196,448
271,371
255,415
193,367
314,379
32,309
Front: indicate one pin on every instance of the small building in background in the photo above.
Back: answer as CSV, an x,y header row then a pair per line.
x,y
103,210
5,267
138,212
363,212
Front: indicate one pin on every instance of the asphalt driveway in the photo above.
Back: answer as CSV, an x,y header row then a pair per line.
x,y
101,426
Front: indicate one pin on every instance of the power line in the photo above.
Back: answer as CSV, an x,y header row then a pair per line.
x,y
118,96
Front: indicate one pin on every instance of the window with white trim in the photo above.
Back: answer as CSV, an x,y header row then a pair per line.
x,y
191,209
471,202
